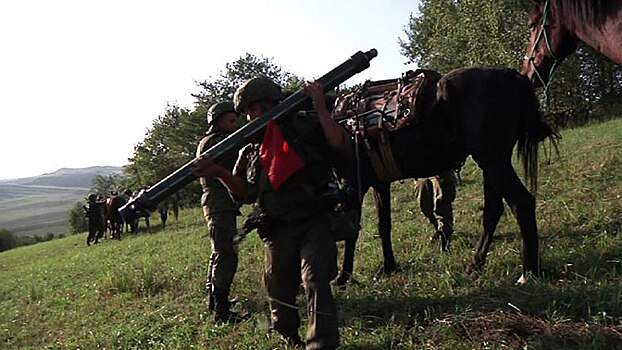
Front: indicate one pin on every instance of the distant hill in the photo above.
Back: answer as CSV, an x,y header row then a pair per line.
x,y
40,204
66,177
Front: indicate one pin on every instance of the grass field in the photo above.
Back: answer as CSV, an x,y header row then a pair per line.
x,y
146,291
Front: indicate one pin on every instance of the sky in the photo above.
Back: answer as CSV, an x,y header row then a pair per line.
x,y
82,81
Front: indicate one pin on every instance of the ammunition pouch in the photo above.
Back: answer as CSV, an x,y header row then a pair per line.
x,y
340,199
344,225
257,221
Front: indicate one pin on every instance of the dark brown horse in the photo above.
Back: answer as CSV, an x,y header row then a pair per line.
x,y
116,220
481,112
557,25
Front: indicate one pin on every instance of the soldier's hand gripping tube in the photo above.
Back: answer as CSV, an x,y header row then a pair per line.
x,y
149,199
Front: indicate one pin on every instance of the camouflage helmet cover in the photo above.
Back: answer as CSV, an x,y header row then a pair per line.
x,y
219,109
256,89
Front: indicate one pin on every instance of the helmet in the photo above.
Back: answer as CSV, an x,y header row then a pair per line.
x,y
219,109
256,89
92,197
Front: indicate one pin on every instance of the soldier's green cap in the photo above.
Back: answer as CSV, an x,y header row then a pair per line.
x,y
254,90
219,109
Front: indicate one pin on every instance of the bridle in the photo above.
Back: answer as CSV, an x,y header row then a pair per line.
x,y
543,35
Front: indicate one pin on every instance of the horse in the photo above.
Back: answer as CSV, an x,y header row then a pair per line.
x,y
556,27
480,112
115,219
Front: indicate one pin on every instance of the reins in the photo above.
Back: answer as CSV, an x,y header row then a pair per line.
x,y
547,40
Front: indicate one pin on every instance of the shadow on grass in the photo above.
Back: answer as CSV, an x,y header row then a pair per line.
x,y
541,315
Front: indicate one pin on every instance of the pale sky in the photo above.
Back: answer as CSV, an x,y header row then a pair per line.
x,y
76,71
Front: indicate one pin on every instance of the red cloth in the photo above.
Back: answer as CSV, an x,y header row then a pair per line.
x,y
277,157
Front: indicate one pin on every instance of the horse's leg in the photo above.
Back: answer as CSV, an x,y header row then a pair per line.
x,y
147,223
348,262
347,267
164,217
493,209
382,197
523,206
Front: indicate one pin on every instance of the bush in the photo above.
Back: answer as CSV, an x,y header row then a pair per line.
x,y
7,240
77,222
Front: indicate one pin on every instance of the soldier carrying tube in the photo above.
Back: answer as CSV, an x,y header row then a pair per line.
x,y
149,199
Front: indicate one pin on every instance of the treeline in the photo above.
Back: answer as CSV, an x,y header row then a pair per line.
x,y
449,34
9,240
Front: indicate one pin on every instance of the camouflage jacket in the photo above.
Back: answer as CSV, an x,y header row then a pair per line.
x,y
216,197
297,198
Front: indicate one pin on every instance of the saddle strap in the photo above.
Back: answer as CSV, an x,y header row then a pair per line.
x,y
376,163
384,163
392,171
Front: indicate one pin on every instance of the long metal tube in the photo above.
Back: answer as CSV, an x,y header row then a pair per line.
x,y
149,198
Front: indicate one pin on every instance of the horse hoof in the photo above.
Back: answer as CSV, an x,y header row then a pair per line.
x,y
386,270
522,280
474,268
342,281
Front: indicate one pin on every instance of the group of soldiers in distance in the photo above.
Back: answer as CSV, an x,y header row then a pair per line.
x,y
103,216
100,219
299,246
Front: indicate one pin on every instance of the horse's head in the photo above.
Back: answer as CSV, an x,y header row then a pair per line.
x,y
550,42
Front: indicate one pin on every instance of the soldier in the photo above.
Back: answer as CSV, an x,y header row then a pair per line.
x,y
96,215
436,195
298,242
221,213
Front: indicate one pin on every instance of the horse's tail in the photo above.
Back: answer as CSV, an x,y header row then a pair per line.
x,y
535,131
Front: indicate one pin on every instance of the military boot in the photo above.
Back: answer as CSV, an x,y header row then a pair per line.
x,y
211,304
210,296
222,310
295,342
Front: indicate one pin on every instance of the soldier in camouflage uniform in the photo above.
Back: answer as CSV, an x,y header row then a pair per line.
x,y
95,212
298,243
220,212
436,196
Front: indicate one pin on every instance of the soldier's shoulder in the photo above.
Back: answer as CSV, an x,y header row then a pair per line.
x,y
212,138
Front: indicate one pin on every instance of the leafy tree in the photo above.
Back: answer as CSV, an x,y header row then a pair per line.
x,y
104,185
7,240
172,139
449,34
77,221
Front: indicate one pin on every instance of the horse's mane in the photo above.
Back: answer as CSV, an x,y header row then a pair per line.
x,y
579,13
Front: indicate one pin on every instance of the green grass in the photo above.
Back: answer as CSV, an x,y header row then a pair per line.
x,y
147,291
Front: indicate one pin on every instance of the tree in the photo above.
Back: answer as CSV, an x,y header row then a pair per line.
x,y
449,34
77,221
7,240
104,185
172,139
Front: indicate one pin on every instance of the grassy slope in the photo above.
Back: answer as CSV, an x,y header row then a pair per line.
x,y
147,290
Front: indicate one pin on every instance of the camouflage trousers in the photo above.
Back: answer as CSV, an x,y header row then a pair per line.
x,y
436,196
302,251
224,258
